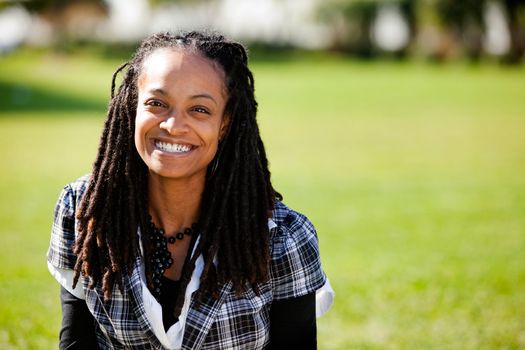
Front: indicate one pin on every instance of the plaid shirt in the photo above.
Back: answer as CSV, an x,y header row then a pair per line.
x,y
232,322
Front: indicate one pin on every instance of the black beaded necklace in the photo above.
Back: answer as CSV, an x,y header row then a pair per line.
x,y
161,259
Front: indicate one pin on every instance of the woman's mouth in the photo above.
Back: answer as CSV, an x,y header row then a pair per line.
x,y
172,147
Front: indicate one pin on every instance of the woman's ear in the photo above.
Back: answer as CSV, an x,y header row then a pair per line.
x,y
225,127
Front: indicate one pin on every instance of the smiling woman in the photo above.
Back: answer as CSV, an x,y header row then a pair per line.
x,y
177,239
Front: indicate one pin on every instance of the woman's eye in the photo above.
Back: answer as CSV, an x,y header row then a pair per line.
x,y
154,103
201,110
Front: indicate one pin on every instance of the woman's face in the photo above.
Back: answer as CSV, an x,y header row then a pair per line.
x,y
181,101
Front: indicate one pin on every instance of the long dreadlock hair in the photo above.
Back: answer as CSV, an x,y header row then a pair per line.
x,y
237,199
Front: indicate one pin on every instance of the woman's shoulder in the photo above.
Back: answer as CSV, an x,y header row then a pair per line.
x,y
61,258
287,223
78,187
63,231
71,194
295,268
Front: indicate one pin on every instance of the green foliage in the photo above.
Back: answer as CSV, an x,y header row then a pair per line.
x,y
39,6
413,175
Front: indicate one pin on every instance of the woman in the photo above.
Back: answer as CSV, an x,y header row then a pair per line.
x,y
177,239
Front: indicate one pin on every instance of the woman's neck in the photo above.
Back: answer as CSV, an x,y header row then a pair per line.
x,y
174,204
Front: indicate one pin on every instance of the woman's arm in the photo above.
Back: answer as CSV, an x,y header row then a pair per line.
x,y
293,323
78,325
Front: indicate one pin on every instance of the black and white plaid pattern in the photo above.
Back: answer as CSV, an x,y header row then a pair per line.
x,y
229,322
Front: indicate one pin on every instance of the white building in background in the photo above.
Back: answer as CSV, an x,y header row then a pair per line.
x,y
390,30
283,21
15,24
497,36
288,22
128,20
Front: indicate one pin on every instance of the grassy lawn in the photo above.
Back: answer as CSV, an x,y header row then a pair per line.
x,y
412,173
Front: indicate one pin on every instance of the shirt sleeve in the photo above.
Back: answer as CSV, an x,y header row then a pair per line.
x,y
296,266
60,256
293,323
78,324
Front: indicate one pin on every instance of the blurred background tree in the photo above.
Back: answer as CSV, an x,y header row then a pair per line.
x,y
440,29
515,12
367,28
464,21
63,21
437,29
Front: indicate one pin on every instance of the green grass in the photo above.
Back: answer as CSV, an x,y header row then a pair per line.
x,y
412,173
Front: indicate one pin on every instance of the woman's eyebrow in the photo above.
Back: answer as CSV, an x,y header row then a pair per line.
x,y
157,91
203,96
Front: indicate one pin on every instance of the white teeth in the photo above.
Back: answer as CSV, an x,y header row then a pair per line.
x,y
172,147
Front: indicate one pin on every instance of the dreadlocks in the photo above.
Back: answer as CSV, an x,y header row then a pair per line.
x,y
237,199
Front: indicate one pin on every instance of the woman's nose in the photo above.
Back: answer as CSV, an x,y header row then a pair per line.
x,y
174,124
